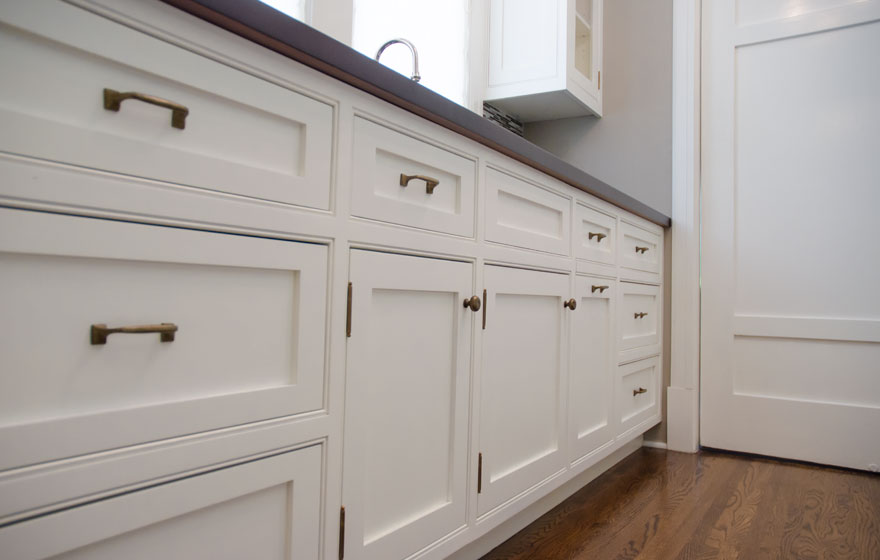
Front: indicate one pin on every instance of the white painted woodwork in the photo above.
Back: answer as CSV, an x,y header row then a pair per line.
x,y
251,314
407,387
632,237
381,155
595,234
791,311
525,214
522,408
243,135
267,508
545,61
592,369
635,407
639,335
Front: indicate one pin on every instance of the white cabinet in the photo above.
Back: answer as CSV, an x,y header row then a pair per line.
x,y
591,375
522,407
407,398
268,509
639,326
595,235
545,58
638,395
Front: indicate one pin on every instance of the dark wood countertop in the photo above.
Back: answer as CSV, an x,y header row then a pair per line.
x,y
263,25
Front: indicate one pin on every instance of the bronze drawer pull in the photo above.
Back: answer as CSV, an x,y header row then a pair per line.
x,y
473,303
639,391
600,289
641,249
430,182
113,102
571,304
639,315
599,236
166,331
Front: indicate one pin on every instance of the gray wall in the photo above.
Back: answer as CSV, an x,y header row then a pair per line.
x,y
630,147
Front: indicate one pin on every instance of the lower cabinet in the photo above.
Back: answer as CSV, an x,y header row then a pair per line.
x,y
591,375
521,434
407,398
268,508
638,393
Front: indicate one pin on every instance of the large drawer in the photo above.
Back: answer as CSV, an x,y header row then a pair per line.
x,y
402,180
242,135
639,321
268,508
638,393
250,342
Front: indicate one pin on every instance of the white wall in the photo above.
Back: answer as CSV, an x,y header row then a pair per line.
x,y
630,147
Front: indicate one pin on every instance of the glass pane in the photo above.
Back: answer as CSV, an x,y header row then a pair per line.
x,y
294,8
583,48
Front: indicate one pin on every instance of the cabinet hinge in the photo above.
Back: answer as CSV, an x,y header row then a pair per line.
x,y
479,472
348,313
341,532
485,302
599,79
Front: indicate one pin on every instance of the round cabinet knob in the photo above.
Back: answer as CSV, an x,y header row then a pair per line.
x,y
473,303
571,304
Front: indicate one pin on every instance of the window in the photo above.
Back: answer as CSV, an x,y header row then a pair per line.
x,y
293,8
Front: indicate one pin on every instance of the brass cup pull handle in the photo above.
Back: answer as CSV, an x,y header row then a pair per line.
x,y
599,236
430,182
639,315
641,250
639,391
571,304
113,102
100,331
473,303
599,289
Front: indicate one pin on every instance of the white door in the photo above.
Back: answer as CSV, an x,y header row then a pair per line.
x,y
521,400
406,405
790,254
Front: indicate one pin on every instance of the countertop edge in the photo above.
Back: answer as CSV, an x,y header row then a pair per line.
x,y
261,24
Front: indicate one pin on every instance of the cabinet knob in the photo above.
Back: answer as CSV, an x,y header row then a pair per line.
x,y
571,304
639,391
430,182
639,315
599,236
641,250
473,303
599,289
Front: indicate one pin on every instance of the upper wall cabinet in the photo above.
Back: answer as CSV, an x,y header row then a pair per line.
x,y
545,61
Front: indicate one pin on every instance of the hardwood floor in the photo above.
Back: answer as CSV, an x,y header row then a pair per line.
x,y
665,505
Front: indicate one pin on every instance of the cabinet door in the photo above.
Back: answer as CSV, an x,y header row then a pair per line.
x,y
521,403
407,395
268,508
591,382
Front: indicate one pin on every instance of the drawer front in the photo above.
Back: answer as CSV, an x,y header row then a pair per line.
x,y
250,314
639,248
242,135
386,185
595,235
639,319
269,508
525,215
638,392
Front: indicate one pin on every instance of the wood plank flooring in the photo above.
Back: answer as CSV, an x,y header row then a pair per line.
x,y
665,505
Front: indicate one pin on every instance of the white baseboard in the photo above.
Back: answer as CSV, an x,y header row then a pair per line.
x,y
654,444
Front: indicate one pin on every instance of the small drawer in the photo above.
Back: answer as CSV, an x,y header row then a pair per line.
x,y
639,320
639,248
638,392
402,180
595,235
250,314
266,508
526,215
242,135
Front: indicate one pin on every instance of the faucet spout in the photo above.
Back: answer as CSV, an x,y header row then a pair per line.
x,y
415,54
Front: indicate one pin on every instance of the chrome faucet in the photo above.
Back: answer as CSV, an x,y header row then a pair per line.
x,y
415,73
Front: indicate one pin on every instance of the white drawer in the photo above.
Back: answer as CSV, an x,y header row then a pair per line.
x,y
385,186
250,345
269,508
639,320
639,248
638,394
242,135
526,215
595,235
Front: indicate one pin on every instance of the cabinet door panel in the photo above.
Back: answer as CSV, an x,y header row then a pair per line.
x,y
407,403
591,383
521,406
